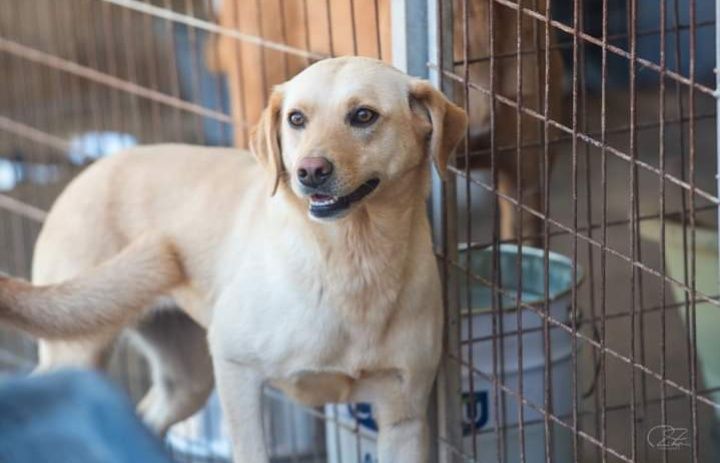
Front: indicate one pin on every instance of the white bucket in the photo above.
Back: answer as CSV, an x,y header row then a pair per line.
x,y
344,447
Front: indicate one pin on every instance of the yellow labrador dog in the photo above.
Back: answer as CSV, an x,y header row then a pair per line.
x,y
311,265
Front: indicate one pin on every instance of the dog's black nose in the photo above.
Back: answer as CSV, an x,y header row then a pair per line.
x,y
314,171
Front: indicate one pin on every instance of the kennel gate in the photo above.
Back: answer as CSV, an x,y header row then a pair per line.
x,y
631,197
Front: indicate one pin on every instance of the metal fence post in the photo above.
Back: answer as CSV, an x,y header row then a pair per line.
x,y
421,34
717,112
410,36
444,220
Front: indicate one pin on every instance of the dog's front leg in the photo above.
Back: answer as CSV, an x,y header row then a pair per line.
x,y
240,389
401,409
405,439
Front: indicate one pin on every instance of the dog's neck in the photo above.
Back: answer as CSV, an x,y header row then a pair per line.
x,y
369,250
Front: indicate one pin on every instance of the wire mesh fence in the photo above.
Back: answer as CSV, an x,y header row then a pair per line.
x,y
618,191
576,233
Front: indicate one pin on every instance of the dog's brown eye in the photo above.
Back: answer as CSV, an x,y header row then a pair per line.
x,y
296,119
362,117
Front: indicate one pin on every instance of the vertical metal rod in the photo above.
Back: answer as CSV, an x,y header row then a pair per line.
x,y
240,48
412,39
693,248
453,380
284,37
603,239
378,35
150,43
290,409
589,219
663,269
400,30
328,16
358,440
519,224
172,72
574,187
632,23
64,35
496,282
683,196
336,433
638,249
42,119
130,43
261,51
547,348
353,27
219,84
21,267
468,224
97,115
306,31
38,191
717,111
437,30
6,63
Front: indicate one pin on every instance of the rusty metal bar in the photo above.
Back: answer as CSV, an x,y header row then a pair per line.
x,y
663,269
547,349
611,48
525,402
692,322
169,15
595,133
568,44
132,88
518,225
632,24
717,110
609,250
587,139
574,187
443,215
468,222
589,340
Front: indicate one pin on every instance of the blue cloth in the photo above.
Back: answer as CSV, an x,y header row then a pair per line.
x,y
72,417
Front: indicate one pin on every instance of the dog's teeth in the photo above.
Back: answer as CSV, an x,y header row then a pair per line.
x,y
324,202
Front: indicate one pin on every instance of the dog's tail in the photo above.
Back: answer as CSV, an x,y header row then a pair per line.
x,y
107,296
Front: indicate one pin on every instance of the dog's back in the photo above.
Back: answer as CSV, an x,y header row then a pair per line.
x,y
95,217
96,241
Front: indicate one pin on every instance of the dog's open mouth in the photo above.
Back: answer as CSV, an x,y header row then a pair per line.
x,y
322,206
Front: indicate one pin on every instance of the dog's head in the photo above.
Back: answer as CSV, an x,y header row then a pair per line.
x,y
345,128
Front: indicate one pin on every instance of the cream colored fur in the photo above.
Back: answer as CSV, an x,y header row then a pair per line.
x,y
327,310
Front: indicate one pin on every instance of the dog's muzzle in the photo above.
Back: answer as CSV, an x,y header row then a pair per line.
x,y
325,206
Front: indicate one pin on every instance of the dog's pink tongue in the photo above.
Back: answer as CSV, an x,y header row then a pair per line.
x,y
318,197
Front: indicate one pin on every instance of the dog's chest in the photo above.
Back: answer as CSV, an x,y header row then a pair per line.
x,y
292,320
301,302
337,328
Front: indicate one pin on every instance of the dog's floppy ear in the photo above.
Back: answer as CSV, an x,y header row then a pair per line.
x,y
448,120
265,139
